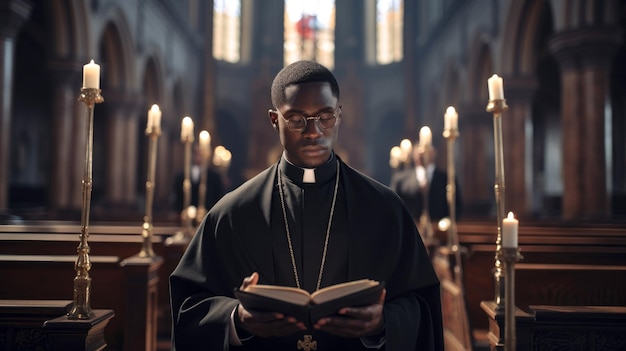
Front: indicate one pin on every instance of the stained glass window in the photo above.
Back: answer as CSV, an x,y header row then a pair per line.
x,y
310,31
227,30
389,23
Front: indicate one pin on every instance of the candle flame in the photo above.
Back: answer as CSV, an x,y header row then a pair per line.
x,y
510,216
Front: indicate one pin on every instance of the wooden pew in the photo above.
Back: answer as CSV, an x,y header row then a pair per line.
x,y
574,263
23,326
573,328
119,241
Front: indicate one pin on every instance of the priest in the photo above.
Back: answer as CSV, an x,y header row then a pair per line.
x,y
308,221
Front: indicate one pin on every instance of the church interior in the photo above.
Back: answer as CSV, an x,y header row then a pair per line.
x,y
89,229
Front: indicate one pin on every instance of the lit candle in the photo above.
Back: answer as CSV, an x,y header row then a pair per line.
x,y
426,137
217,155
205,142
496,91
405,147
186,129
192,211
226,157
395,154
509,231
154,118
91,75
450,120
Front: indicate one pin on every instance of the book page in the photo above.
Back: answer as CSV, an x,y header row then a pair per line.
x,y
285,293
339,290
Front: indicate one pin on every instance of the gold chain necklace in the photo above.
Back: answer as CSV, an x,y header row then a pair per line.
x,y
330,220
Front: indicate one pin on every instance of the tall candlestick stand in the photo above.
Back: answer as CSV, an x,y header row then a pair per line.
x,y
496,107
453,238
204,164
425,224
509,255
153,133
186,232
81,308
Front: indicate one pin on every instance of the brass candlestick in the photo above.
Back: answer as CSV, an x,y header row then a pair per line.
x,y
204,164
81,308
453,239
425,224
509,255
153,133
185,233
497,107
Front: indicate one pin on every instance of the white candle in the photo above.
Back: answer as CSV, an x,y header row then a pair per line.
x,y
405,147
426,136
186,129
226,157
496,90
154,118
217,155
509,231
205,142
192,211
395,154
91,75
450,119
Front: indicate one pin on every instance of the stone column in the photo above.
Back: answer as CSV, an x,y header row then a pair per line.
x,y
66,89
12,14
584,56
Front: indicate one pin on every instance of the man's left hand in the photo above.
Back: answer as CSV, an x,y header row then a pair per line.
x,y
353,322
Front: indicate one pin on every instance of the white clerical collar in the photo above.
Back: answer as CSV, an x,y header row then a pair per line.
x,y
309,175
303,175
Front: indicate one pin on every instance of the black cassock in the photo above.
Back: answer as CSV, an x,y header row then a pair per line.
x,y
372,236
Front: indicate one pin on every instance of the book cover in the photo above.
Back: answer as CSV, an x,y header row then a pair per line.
x,y
309,308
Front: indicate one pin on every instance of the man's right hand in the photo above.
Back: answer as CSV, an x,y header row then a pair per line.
x,y
264,324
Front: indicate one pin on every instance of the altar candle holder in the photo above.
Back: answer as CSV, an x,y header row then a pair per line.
x,y
509,255
205,155
183,235
153,132
81,308
451,134
496,107
425,224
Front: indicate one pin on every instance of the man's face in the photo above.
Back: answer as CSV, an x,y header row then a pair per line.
x,y
313,146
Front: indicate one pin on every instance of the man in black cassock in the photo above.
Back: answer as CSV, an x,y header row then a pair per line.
x,y
425,177
308,221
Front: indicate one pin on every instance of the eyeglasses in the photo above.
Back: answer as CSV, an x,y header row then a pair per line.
x,y
297,122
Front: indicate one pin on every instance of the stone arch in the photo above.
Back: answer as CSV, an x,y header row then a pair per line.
x,y
116,52
518,50
70,30
116,144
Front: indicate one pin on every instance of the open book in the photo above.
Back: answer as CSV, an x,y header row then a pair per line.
x,y
309,308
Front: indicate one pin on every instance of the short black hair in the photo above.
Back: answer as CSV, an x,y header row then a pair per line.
x,y
301,72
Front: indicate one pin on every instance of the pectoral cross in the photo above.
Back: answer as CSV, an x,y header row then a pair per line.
x,y
307,344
